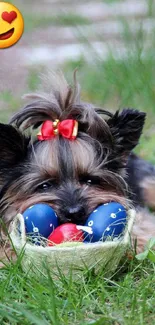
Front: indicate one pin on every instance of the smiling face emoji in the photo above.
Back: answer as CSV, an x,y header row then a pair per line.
x,y
11,25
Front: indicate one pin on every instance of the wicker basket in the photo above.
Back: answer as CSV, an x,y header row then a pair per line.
x,y
73,257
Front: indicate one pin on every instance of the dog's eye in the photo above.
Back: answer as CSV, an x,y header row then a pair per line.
x,y
44,186
90,180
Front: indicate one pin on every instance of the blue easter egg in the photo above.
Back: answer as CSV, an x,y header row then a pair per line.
x,y
108,219
40,220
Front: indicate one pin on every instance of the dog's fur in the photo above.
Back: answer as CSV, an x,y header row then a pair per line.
x,y
75,176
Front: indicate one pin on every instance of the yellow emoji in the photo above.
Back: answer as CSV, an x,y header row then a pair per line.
x,y
11,25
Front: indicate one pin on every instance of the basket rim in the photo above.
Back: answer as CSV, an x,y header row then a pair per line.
x,y
19,240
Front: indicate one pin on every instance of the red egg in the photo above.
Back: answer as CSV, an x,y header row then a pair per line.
x,y
64,233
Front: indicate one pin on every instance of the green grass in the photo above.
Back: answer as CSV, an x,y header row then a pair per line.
x,y
33,79
39,21
9,104
116,83
112,1
127,298
36,20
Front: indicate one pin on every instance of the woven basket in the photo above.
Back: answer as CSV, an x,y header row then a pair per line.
x,y
74,257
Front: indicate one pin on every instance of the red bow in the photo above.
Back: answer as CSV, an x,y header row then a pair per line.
x,y
67,128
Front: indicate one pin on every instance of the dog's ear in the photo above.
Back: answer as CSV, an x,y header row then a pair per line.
x,y
126,128
13,146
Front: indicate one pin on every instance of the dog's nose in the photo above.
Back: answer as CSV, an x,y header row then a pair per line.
x,y
75,214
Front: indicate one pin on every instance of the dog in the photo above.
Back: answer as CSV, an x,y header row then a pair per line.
x,y
92,165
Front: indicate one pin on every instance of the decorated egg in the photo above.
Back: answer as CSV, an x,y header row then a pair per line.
x,y
66,233
108,219
40,220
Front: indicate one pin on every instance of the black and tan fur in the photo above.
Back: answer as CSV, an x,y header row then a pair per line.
x,y
74,177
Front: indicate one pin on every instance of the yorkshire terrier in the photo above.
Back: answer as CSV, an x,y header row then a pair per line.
x,y
81,158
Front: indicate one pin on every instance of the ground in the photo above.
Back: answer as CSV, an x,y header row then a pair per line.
x,y
112,44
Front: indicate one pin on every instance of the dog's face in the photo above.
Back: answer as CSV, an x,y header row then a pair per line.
x,y
73,176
